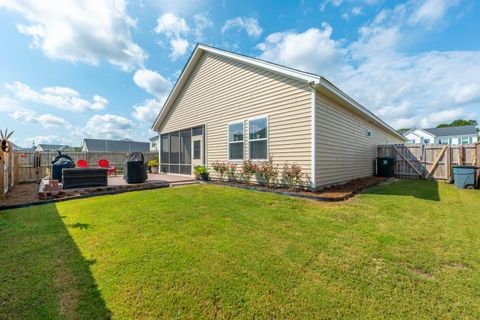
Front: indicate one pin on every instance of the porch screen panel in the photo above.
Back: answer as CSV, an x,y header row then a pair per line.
x,y
174,152
185,151
164,153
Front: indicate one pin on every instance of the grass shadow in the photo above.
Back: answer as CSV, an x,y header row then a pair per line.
x,y
420,189
42,271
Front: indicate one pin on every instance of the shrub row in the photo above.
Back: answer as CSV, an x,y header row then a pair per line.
x,y
266,173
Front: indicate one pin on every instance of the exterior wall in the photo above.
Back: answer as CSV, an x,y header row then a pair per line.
x,y
454,140
220,90
345,151
413,138
418,136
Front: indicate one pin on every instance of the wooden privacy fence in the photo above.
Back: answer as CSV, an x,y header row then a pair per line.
x,y
7,172
32,166
429,161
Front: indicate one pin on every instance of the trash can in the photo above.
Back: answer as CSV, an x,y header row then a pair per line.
x,y
464,176
135,170
385,166
62,161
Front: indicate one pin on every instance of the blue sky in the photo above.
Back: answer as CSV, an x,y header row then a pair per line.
x,y
75,69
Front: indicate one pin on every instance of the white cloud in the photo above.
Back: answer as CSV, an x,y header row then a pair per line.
x,y
175,28
171,25
152,82
334,3
8,104
147,111
46,120
431,11
311,50
83,31
201,21
48,139
108,126
357,11
250,25
179,47
58,97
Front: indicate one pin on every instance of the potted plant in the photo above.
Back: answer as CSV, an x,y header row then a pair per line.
x,y
201,172
153,164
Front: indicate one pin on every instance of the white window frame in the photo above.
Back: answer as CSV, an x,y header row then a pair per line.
x,y
262,139
229,142
468,140
444,141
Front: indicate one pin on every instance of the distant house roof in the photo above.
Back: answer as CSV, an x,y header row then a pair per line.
x,y
154,138
452,131
115,145
51,147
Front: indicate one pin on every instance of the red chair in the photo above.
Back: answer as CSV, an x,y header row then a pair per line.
x,y
82,163
105,164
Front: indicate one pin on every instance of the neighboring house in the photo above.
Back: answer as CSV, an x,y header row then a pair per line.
x,y
447,135
103,145
52,147
18,148
230,107
154,143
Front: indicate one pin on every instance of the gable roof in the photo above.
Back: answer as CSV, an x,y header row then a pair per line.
x,y
52,147
418,129
312,79
115,145
452,131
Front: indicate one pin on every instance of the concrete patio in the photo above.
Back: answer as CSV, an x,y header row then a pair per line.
x,y
152,178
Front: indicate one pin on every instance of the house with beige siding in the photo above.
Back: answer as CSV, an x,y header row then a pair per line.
x,y
230,107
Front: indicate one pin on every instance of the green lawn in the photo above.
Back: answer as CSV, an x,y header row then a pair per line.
x,y
407,250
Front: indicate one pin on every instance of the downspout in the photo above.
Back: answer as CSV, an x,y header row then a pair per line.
x,y
313,179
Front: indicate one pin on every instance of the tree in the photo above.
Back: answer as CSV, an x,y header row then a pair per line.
x,y
459,123
402,130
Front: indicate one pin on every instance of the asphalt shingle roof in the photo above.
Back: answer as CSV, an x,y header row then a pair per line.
x,y
452,131
116,145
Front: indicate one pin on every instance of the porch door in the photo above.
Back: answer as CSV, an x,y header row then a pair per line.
x,y
198,156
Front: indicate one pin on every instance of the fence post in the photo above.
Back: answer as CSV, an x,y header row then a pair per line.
x,y
449,163
2,181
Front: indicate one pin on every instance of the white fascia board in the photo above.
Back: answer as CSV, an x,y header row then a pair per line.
x,y
339,93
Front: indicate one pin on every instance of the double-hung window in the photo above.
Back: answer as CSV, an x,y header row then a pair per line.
x,y
465,140
258,138
235,141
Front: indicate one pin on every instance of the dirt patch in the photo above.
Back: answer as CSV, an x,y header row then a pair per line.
x,y
334,193
422,273
350,188
21,193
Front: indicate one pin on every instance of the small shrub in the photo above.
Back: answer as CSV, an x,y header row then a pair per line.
x,y
249,169
232,172
200,170
292,175
152,163
267,173
220,168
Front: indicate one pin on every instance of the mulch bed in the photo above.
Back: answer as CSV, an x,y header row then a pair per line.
x,y
330,194
27,194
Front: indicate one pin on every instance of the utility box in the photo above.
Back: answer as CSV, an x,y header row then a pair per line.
x,y
386,167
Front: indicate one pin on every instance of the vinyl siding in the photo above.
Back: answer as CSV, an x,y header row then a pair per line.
x,y
220,90
344,151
